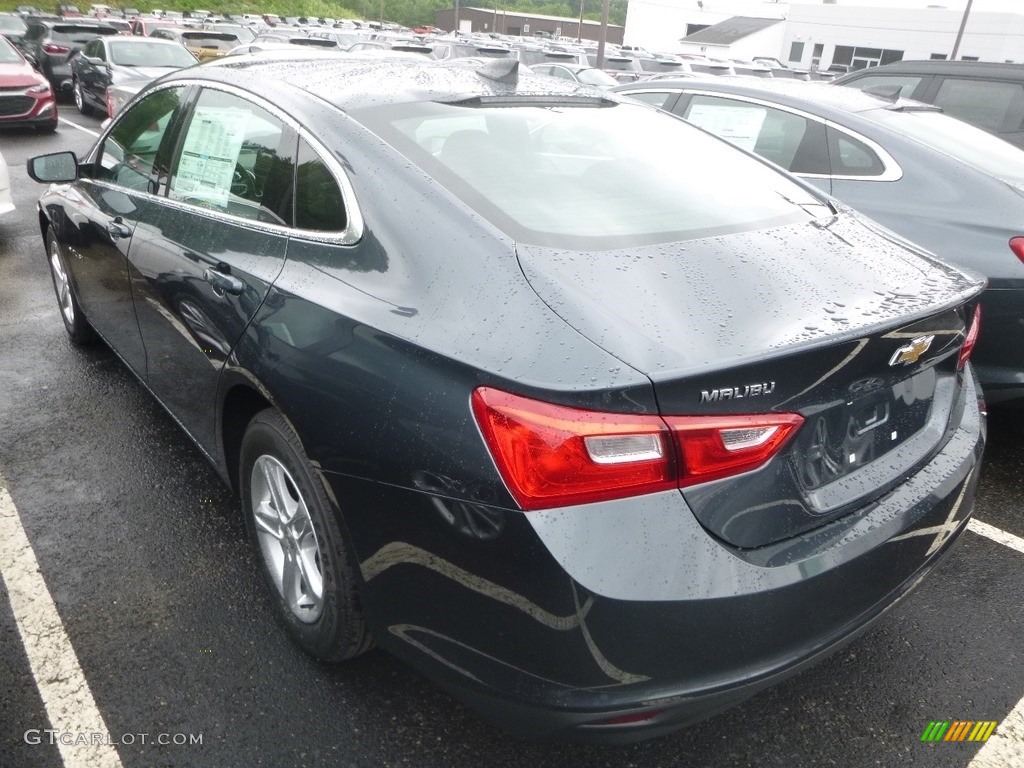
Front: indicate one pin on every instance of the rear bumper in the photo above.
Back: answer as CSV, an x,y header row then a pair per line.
x,y
568,619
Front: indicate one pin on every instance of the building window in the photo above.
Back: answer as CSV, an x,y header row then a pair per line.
x,y
819,48
938,57
796,52
968,58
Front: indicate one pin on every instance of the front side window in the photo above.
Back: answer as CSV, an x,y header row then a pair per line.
x,y
994,106
234,158
654,98
134,153
590,177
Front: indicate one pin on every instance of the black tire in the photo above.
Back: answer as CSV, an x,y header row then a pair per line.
x,y
75,323
80,103
330,626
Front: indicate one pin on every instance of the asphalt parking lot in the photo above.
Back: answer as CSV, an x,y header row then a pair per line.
x,y
132,618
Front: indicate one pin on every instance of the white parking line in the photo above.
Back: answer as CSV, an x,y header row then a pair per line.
x,y
1005,749
58,675
82,128
997,535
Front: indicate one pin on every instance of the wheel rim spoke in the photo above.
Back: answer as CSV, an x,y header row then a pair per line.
x,y
287,539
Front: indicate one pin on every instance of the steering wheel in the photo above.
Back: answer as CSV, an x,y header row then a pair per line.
x,y
243,183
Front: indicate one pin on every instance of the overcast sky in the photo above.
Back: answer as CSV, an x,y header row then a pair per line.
x,y
978,5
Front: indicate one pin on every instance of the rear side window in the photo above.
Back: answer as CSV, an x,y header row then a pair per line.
x,y
906,83
852,157
319,205
654,98
234,158
994,106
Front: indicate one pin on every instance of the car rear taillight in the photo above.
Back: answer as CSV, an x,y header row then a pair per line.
x,y
713,447
54,48
1017,246
971,338
554,455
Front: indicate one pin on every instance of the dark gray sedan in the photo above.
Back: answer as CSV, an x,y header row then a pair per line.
x,y
604,435
107,61
935,180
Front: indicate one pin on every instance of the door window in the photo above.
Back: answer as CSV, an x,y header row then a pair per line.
x,y
788,140
235,157
994,106
654,98
131,154
319,204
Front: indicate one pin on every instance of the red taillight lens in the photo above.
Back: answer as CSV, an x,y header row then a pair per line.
x,y
54,48
971,339
1017,246
554,455
712,447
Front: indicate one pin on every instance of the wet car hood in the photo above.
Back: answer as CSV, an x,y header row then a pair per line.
x,y
689,307
18,76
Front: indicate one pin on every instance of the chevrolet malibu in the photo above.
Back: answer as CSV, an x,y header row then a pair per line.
x,y
601,437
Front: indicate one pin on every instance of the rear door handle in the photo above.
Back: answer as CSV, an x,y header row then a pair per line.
x,y
222,282
118,229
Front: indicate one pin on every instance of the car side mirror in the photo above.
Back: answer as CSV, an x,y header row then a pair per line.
x,y
60,168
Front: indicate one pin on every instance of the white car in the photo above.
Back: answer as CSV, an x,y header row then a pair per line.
x,y
6,204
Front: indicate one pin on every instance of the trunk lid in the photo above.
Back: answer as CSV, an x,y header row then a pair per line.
x,y
833,320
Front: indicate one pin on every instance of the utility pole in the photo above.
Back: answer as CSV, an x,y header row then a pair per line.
x,y
456,30
960,34
603,34
579,29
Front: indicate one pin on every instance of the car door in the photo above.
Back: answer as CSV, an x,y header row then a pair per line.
x,y
218,242
792,140
110,201
91,71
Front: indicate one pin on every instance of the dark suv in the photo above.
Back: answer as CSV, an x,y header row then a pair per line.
x,y
990,96
49,43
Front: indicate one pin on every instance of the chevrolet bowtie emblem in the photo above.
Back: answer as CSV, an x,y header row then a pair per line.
x,y
911,353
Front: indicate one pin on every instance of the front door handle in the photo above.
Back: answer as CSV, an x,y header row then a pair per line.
x,y
118,229
222,282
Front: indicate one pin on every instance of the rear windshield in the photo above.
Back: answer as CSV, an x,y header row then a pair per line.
x,y
71,34
221,41
965,142
12,24
589,177
8,55
140,53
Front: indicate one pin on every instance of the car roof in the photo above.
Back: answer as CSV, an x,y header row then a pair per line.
x,y
350,81
937,67
794,93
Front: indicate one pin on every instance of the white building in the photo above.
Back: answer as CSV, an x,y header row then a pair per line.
x,y
822,34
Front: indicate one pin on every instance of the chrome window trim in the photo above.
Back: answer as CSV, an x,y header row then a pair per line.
x,y
354,227
891,170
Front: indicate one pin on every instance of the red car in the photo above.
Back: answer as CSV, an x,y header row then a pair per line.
x,y
26,97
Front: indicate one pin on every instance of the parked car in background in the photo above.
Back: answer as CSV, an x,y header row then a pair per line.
x,y
990,96
576,73
13,27
146,25
512,386
26,98
937,181
49,43
6,202
205,44
108,60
